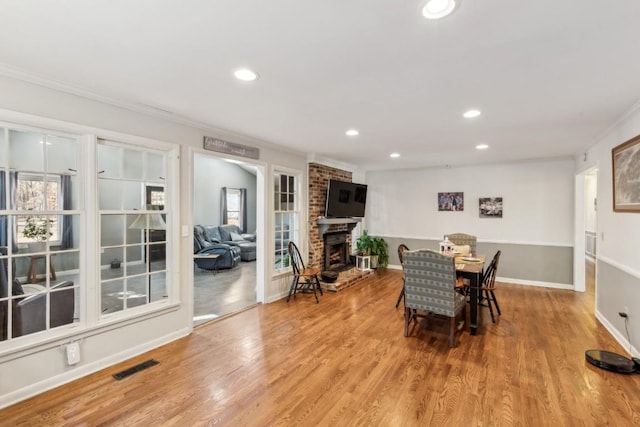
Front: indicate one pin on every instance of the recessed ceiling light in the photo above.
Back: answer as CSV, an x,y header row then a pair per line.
x,y
394,155
436,9
352,132
482,147
471,114
245,75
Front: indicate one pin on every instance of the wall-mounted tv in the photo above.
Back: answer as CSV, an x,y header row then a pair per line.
x,y
345,199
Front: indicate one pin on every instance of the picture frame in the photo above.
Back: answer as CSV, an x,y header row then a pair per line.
x,y
625,168
451,202
490,207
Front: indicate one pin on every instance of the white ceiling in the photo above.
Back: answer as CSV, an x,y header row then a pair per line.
x,y
549,76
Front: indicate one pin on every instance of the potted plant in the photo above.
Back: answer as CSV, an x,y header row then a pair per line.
x,y
38,230
364,243
376,247
379,248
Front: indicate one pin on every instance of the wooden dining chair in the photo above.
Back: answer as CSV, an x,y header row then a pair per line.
x,y
401,250
487,290
305,279
430,279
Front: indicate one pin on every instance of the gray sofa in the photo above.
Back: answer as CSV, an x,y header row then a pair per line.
x,y
232,235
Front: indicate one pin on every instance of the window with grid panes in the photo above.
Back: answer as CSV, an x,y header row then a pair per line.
x,y
287,216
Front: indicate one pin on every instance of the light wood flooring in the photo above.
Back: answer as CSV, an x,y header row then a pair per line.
x,y
345,362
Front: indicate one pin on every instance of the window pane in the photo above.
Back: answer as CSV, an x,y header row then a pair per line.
x,y
158,286
111,265
3,149
155,168
109,161
109,194
112,230
26,151
132,196
61,155
133,166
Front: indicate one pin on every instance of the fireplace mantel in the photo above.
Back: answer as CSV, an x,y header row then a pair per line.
x,y
324,223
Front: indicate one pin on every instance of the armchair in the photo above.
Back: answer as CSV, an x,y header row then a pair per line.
x,y
28,311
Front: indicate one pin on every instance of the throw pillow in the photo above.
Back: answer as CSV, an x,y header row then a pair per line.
x,y
17,288
235,237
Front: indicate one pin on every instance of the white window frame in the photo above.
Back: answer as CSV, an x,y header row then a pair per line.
x,y
55,178
295,232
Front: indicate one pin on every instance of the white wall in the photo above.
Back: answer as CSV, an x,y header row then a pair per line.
x,y
618,256
210,175
537,197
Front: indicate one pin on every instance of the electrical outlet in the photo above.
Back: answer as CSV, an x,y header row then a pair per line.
x,y
73,353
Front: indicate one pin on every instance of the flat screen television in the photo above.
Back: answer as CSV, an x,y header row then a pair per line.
x,y
345,199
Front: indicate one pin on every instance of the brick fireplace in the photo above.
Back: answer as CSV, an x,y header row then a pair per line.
x,y
319,176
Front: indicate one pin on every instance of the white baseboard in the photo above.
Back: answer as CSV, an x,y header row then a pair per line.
x,y
81,371
535,283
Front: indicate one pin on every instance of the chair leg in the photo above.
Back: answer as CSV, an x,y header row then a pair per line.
x,y
495,301
452,331
318,283
400,296
314,286
408,315
292,289
488,298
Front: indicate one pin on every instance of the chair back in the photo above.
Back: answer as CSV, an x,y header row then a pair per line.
x,y
402,248
430,279
296,260
489,276
463,239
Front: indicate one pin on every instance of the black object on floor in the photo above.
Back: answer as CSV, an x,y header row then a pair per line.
x,y
329,276
612,361
137,368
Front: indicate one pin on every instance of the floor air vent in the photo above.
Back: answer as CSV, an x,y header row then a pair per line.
x,y
132,370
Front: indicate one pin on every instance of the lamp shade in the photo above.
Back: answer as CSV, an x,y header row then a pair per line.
x,y
152,221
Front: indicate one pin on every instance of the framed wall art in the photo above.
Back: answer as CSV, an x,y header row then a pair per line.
x,y
490,207
625,160
451,202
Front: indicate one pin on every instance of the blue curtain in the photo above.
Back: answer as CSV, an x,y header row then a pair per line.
x,y
6,227
243,210
67,220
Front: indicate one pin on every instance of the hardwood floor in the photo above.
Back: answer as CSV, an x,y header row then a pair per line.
x,y
346,362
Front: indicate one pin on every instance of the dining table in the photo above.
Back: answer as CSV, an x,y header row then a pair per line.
x,y
472,268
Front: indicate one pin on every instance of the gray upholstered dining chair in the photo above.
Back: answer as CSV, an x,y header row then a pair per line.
x,y
429,289
463,239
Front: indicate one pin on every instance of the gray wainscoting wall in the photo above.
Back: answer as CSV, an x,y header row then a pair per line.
x,y
531,263
614,287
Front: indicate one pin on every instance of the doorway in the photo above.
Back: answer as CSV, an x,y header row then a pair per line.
x,y
230,282
586,226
